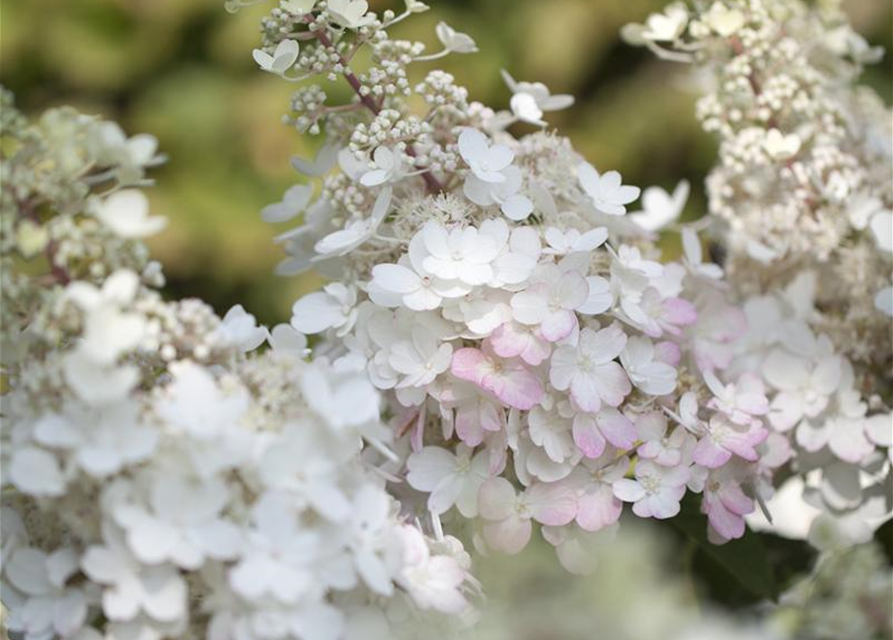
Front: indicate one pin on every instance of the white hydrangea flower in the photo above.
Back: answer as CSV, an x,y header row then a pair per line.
x,y
387,167
132,588
350,14
332,308
606,192
660,208
530,100
50,608
103,440
449,479
241,329
281,60
294,201
340,242
126,212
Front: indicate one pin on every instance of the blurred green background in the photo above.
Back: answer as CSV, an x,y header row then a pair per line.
x,y
182,70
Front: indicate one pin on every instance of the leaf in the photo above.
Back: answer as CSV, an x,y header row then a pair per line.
x,y
745,560
884,537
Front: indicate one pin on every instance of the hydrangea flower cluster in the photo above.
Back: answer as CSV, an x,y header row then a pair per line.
x,y
540,364
803,178
803,203
159,482
500,348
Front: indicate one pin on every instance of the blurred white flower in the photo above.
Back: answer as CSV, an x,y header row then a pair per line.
x,y
453,40
282,59
530,100
388,167
332,308
350,14
355,233
240,328
660,208
606,192
294,201
126,212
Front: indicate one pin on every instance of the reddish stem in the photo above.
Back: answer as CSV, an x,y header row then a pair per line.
x,y
434,185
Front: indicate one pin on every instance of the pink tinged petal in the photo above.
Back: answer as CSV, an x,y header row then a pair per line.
x,y
742,444
642,508
669,457
612,383
496,499
729,525
598,509
707,454
734,499
617,428
507,342
754,404
492,417
508,536
468,425
587,436
650,449
469,364
668,353
628,490
558,325
679,312
536,351
552,504
518,388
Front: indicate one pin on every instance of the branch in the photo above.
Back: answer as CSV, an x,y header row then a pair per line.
x,y
434,185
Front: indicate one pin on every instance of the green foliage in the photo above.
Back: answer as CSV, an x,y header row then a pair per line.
x,y
756,567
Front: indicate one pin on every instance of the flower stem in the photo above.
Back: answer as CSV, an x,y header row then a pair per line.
x,y
434,185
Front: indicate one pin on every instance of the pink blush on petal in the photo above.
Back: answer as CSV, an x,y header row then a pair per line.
x,y
517,388
680,312
468,364
587,437
558,325
708,454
